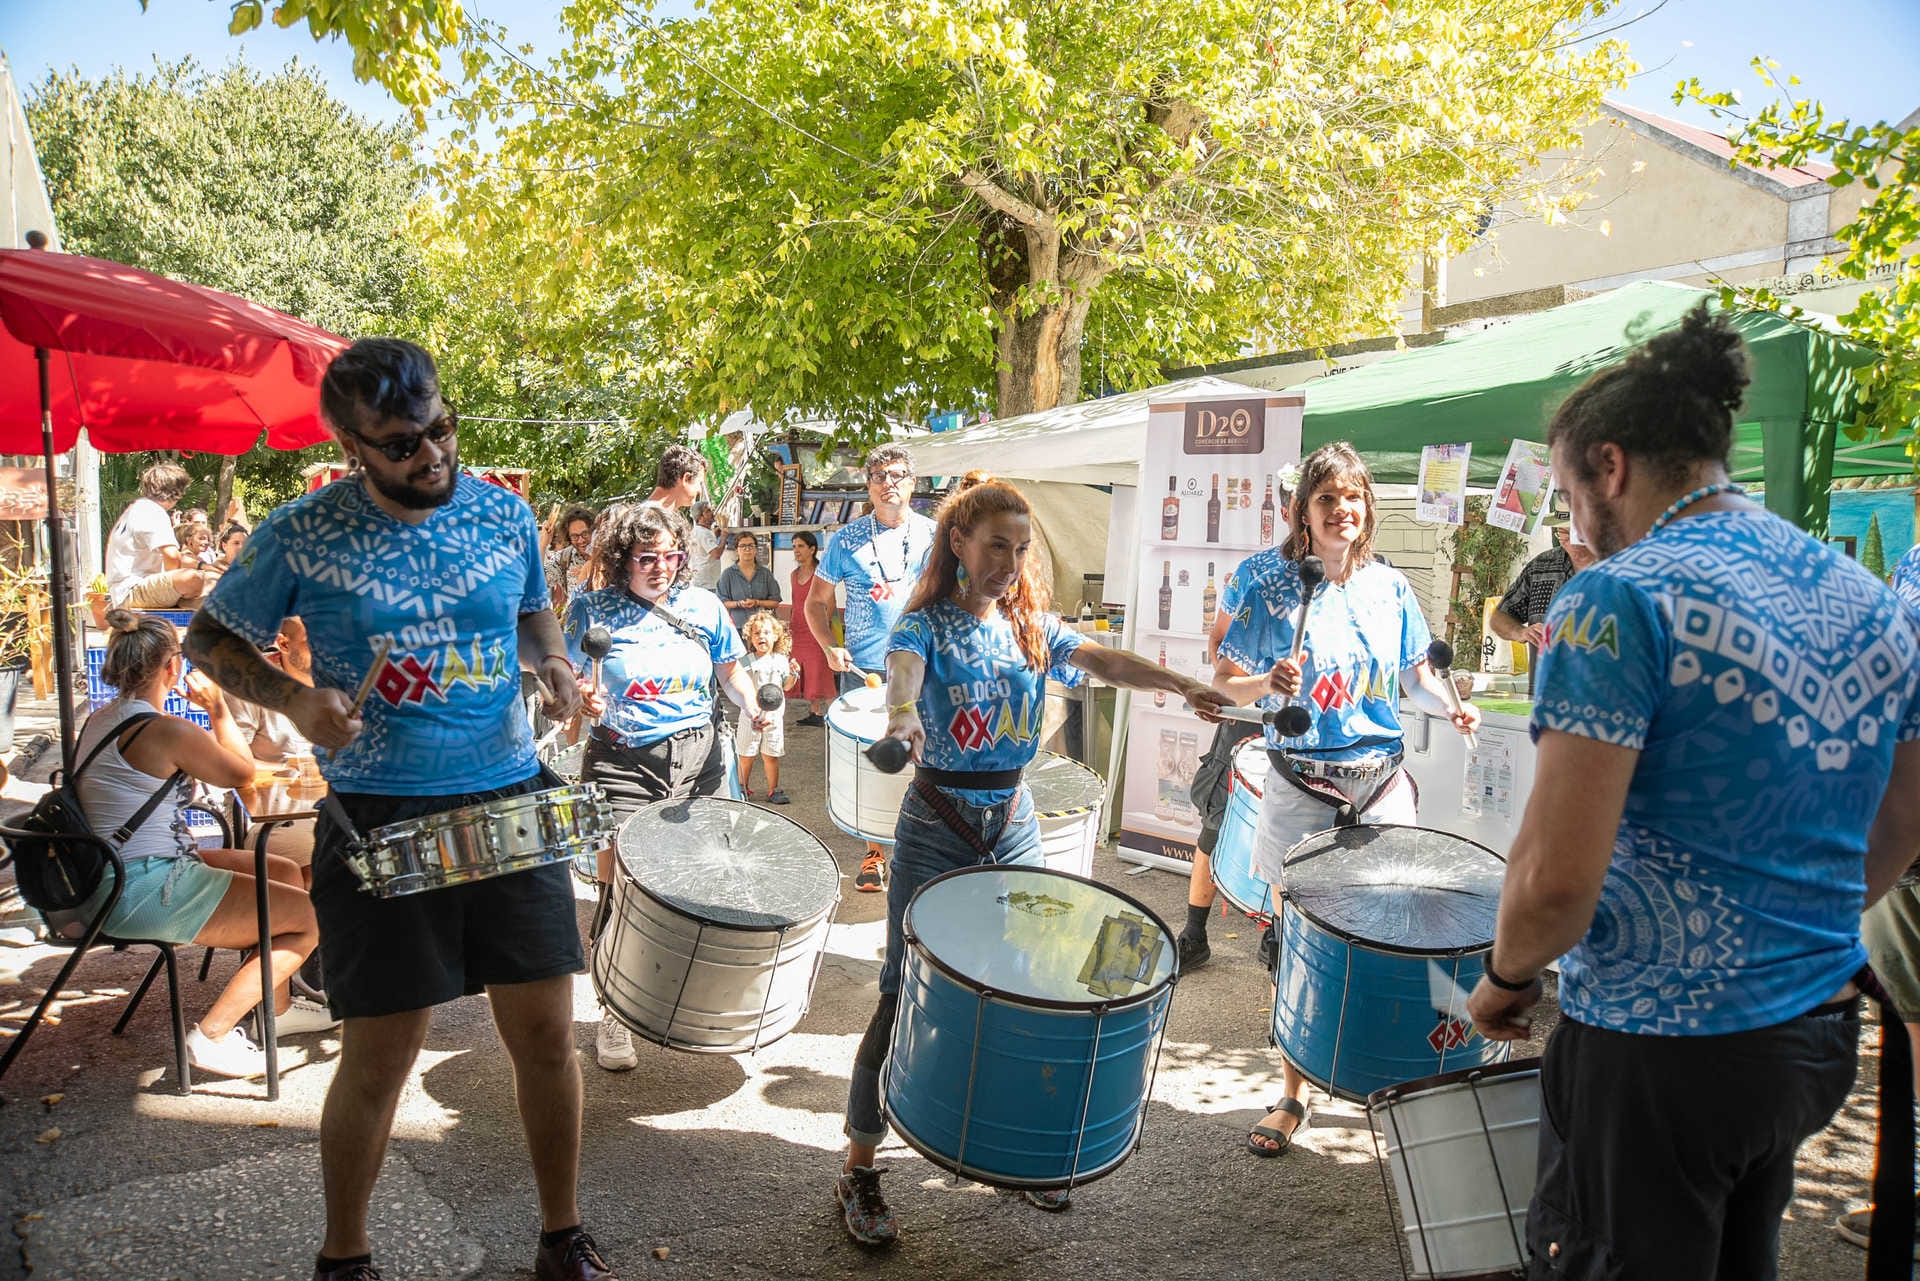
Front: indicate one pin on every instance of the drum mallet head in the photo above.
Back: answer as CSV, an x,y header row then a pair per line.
x,y
873,680
1292,721
1440,659
769,697
1440,656
889,755
1313,571
597,643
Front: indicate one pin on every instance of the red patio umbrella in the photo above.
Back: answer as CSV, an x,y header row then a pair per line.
x,y
143,362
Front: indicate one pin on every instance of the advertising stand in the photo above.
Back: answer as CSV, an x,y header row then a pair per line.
x,y
1206,502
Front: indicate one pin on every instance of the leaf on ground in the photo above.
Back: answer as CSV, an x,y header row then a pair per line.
x,y
48,1135
51,1099
660,1251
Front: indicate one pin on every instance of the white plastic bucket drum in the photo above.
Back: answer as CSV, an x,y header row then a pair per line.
x,y
861,801
1232,861
1067,801
719,921
1462,1149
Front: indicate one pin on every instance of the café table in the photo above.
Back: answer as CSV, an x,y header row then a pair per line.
x,y
279,794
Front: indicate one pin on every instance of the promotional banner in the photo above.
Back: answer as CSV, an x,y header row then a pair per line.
x,y
1206,501
1443,484
1526,483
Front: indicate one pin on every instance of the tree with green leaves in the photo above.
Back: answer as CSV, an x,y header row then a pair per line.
x,y
895,206
1884,160
1873,550
260,185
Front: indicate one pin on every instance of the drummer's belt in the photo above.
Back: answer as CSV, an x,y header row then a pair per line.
x,y
927,783
1350,787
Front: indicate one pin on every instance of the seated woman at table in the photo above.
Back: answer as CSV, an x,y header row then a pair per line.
x,y
174,892
652,710
272,739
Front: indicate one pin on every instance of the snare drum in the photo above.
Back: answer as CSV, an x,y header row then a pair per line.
x,y
1067,801
1383,931
719,920
1032,1005
1232,861
475,842
1463,1149
861,800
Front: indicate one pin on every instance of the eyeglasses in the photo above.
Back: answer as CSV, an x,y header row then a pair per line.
x,y
401,448
891,476
647,560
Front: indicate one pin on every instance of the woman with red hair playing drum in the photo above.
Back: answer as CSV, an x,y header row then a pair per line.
x,y
972,650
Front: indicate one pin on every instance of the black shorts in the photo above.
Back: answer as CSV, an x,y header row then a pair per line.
x,y
1672,1156
690,763
387,955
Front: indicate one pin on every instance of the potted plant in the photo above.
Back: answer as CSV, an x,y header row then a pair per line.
x,y
18,583
97,600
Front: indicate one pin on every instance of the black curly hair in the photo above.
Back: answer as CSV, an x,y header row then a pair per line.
x,y
624,525
1670,404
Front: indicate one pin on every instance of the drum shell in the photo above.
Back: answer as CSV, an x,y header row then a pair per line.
x,y
1354,1019
1231,864
477,842
1463,1150
1067,840
861,800
695,985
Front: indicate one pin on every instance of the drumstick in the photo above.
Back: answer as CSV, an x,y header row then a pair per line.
x,y
1251,715
381,644
1440,658
1293,720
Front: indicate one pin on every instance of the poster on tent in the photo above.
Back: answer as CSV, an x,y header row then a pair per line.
x,y
1443,484
1520,500
1206,501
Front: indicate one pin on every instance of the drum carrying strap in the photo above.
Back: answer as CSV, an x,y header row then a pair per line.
x,y
937,800
1346,811
1890,1239
671,619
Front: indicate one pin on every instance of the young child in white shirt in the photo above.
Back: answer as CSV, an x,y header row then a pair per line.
x,y
769,645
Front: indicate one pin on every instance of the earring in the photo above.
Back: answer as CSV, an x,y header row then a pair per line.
x,y
960,577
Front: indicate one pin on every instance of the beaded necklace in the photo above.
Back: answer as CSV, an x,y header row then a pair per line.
x,y
1687,500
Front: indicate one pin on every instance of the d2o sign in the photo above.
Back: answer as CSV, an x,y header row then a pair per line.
x,y
1226,427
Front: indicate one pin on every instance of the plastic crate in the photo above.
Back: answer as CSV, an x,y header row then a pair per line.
x,y
99,693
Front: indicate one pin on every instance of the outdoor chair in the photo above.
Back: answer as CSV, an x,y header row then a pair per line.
x,y
93,936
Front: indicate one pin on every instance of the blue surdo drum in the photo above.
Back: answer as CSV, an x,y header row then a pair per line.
x,y
1031,1012
1383,932
1232,861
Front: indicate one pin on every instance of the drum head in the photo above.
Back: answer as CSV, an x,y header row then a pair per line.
x,y
1411,890
1250,766
728,863
1044,937
1487,1073
1062,785
860,713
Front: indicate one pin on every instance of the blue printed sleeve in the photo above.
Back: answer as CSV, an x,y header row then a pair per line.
x,y
1414,633
727,647
836,564
1249,643
1602,673
254,595
1061,641
914,634
535,593
574,621
1906,581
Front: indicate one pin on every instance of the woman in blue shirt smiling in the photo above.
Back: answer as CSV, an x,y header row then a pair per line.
x,y
653,736
966,673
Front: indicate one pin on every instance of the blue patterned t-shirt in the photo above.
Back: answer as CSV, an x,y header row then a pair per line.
x,y
1233,592
444,716
981,705
658,680
1764,679
879,567
1361,635
1906,580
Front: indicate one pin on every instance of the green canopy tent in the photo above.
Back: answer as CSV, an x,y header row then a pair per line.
x,y
1504,383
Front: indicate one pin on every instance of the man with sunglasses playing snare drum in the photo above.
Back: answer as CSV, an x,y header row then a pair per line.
x,y
879,557
427,583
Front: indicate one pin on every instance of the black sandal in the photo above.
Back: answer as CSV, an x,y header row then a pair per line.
x,y
1292,1107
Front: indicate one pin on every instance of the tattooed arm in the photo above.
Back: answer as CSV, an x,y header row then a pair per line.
x,y
237,667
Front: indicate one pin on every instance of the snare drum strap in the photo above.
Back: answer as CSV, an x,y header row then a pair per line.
x,y
937,800
1346,813
1890,1239
334,810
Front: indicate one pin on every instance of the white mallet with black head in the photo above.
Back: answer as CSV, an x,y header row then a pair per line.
x,y
1440,659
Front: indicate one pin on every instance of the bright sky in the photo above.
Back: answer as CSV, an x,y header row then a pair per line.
x,y
1858,56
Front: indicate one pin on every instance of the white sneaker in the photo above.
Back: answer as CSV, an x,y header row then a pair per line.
x,y
613,1046
303,1017
231,1055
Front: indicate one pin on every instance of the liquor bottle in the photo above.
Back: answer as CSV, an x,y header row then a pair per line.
x,y
1166,595
1205,673
1170,513
1209,601
1266,515
1160,695
1213,511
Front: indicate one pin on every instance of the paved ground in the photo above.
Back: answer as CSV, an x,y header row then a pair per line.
x,y
697,1166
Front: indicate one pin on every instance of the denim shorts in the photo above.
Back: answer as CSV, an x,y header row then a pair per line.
x,y
162,900
924,847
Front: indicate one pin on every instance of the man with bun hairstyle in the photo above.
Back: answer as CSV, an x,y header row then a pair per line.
x,y
1721,708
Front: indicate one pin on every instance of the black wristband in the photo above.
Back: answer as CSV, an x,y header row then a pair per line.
x,y
1503,984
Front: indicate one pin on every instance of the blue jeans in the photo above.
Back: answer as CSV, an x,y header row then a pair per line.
x,y
924,847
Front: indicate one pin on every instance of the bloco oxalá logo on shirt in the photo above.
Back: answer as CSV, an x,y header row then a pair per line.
x,y
985,714
426,660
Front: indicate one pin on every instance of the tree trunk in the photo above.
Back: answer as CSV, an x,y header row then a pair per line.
x,y
222,493
1039,351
